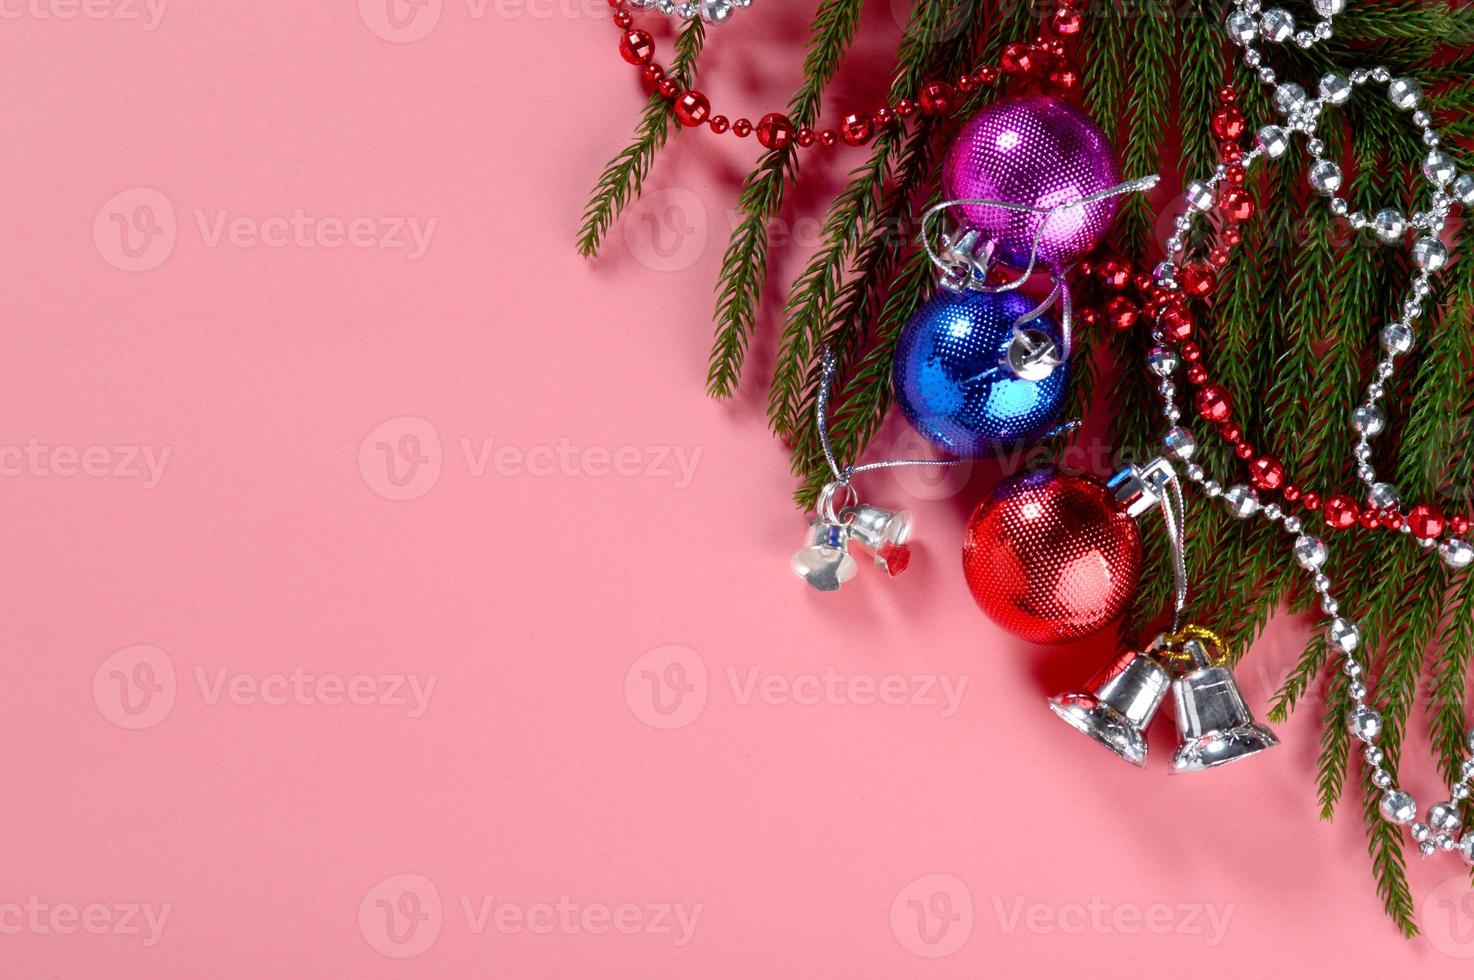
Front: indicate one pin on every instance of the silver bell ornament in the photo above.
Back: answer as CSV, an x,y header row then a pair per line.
x,y
824,561
882,534
1118,704
1213,722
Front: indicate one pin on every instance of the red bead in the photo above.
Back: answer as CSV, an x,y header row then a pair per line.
x,y
1370,519
1176,322
1115,274
856,129
967,84
1426,521
652,73
806,137
1197,374
884,116
1232,432
742,128
1291,492
1198,280
905,108
1236,174
1142,282
719,124
1232,236
1227,95
1067,21
988,75
828,138
1219,257
1341,512
1214,404
1088,316
1231,152
1244,451
1459,524
1311,500
1064,79
1055,48
775,131
1267,473
1017,59
692,108
1392,520
668,88
937,98
1191,352
1237,204
1228,123
623,18
637,47
1121,313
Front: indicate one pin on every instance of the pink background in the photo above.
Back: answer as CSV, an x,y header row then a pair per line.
x,y
157,760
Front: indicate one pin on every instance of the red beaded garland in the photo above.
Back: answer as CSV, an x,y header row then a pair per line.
x,y
692,108
637,47
1267,473
774,131
1214,404
856,129
1341,512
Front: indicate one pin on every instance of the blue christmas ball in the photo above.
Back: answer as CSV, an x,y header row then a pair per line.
x,y
951,380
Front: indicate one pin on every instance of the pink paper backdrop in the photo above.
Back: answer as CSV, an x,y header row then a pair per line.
x,y
384,597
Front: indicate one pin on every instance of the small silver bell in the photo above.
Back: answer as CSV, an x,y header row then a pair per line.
x,y
1032,354
966,257
1121,702
825,562
1213,722
881,533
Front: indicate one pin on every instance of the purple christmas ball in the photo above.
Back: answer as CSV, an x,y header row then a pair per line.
x,y
1039,151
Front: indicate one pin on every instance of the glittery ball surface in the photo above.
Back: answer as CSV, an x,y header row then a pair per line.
x,y
1050,558
950,382
1042,152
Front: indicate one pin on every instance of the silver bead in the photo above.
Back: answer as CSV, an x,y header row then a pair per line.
x,y
1397,338
1444,818
1439,168
1274,140
1329,8
1241,27
1460,792
1241,500
1325,176
1288,97
1399,807
1430,254
1456,552
1292,524
1426,848
1368,420
1180,442
1357,690
1344,635
1163,361
1388,225
1310,551
1404,92
1466,769
714,11
1382,496
1352,668
1420,832
1199,196
1463,189
1469,744
1335,88
1466,848
1276,25
1365,723
1382,779
1374,755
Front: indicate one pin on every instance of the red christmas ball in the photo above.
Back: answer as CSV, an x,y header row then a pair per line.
x,y
1051,558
